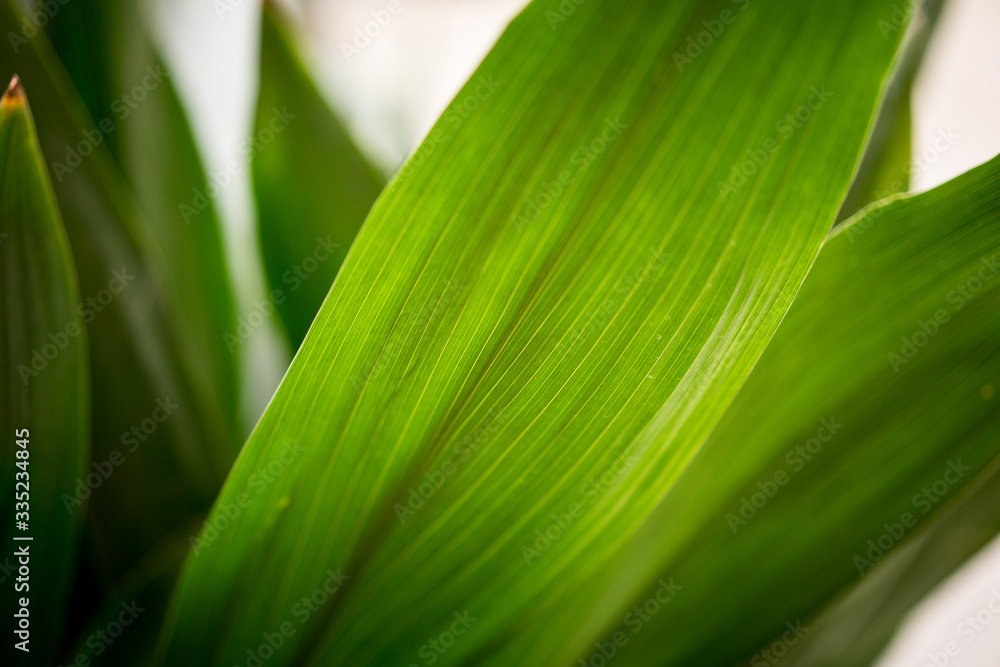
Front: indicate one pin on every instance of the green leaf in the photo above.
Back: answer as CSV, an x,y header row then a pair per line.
x,y
123,629
887,164
568,281
44,415
119,72
875,401
141,349
313,186
856,627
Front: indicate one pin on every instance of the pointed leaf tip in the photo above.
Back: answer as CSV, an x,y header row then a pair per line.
x,y
15,92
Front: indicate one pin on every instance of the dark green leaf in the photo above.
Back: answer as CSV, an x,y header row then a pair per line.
x,y
44,413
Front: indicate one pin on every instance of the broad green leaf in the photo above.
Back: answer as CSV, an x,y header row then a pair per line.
x,y
44,417
568,281
313,186
121,76
154,404
872,407
858,625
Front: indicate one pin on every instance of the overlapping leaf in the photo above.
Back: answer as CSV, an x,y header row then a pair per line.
x,y
154,404
872,407
313,186
857,626
120,75
44,415
543,317
887,164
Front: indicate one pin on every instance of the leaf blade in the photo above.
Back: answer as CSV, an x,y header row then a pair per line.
x,y
46,388
313,187
482,292
883,274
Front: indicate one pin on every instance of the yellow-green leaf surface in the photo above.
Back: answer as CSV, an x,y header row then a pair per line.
x,y
119,73
155,408
546,313
313,186
873,406
44,419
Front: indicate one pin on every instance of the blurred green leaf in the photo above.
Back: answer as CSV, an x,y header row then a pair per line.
x,y
154,403
544,316
120,75
875,401
44,415
313,186
123,629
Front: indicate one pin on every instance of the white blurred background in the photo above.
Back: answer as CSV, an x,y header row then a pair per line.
x,y
390,94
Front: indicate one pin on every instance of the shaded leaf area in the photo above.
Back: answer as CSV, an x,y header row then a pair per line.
x,y
44,418
313,186
130,94
888,165
158,429
856,627
124,627
546,312
873,406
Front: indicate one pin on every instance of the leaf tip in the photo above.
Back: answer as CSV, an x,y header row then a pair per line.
x,y
14,94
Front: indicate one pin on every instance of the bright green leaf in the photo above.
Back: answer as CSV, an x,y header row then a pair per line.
x,y
872,407
569,280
